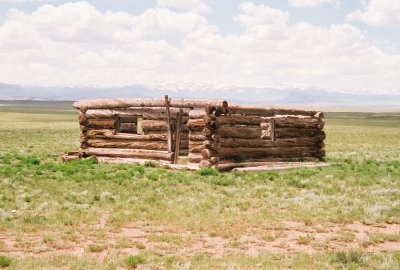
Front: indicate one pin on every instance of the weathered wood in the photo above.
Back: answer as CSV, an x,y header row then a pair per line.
x,y
82,119
130,144
196,136
215,110
155,125
147,113
129,153
209,153
289,122
196,114
101,123
178,136
196,148
69,157
270,152
126,103
269,168
238,119
247,111
227,165
169,130
118,160
110,134
205,164
196,125
195,158
239,132
258,143
285,133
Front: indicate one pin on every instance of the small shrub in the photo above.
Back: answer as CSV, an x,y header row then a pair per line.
x,y
27,199
132,262
223,181
95,248
207,171
4,262
153,177
138,169
140,245
150,164
350,259
304,240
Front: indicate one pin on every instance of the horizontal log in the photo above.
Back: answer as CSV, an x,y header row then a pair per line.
x,y
145,113
271,152
68,158
128,153
195,158
196,148
247,111
270,168
196,125
126,103
238,119
196,114
110,134
259,143
114,143
229,165
154,125
196,136
239,132
288,122
261,111
285,133
205,164
101,123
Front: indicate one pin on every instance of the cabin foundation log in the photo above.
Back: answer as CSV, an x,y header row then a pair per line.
x,y
128,153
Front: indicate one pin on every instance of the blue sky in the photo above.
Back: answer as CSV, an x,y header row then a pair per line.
x,y
175,41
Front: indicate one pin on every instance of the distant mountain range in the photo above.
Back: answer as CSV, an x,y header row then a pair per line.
x,y
287,97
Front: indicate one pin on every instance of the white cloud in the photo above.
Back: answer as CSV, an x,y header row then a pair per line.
x,y
378,13
197,6
23,1
77,44
314,3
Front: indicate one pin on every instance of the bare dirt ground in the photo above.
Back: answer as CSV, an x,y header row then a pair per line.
x,y
287,238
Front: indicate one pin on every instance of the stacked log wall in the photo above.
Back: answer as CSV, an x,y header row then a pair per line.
x,y
99,136
234,135
196,137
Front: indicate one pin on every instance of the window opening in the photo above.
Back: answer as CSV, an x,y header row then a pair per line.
x,y
129,125
268,129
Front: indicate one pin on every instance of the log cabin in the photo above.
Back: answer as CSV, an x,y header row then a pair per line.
x,y
209,133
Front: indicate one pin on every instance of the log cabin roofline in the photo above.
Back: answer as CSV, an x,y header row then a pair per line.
x,y
84,105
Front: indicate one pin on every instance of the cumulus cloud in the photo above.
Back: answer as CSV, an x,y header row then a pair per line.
x,y
23,1
378,13
314,3
77,44
197,6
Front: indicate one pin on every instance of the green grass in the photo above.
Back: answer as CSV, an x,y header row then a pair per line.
x,y
4,262
89,205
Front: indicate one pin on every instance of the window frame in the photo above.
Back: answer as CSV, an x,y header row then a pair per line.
x,y
117,126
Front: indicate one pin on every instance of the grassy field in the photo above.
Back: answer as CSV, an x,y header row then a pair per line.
x,y
84,215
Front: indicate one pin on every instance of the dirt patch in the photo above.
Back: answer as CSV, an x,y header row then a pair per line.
x,y
287,238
